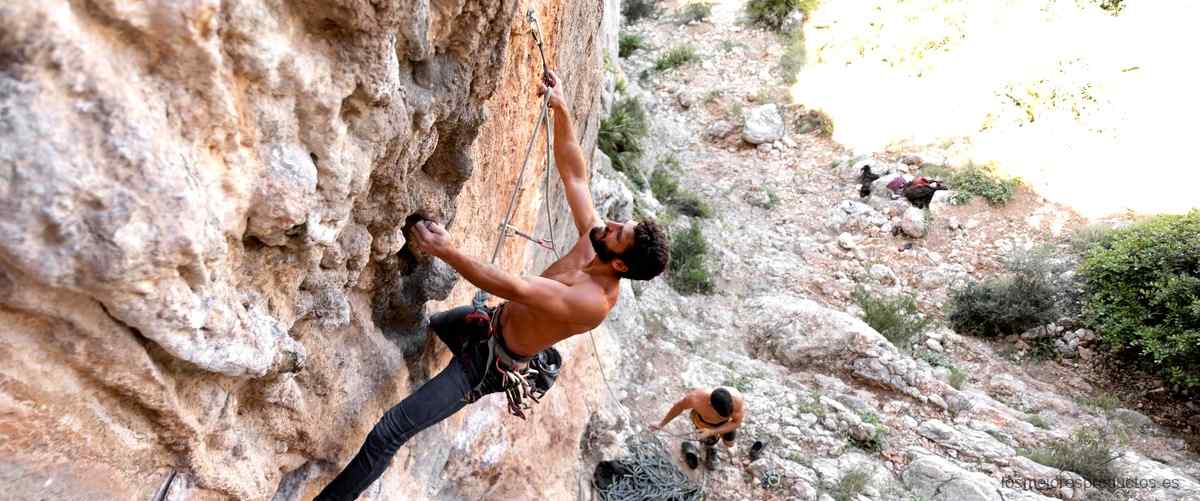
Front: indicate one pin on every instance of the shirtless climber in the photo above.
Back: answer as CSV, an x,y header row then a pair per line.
x,y
572,296
718,413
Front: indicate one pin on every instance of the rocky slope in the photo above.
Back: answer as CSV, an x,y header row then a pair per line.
x,y
203,280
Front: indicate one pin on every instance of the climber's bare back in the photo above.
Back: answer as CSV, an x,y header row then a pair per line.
x,y
527,331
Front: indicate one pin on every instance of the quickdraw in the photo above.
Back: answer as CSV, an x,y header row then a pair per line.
x,y
517,389
524,382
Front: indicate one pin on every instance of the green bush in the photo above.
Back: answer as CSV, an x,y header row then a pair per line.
x,y
627,43
934,359
663,185
741,383
1088,453
957,378
853,483
729,45
690,204
1105,403
896,318
1113,6
793,57
1033,293
668,161
636,10
675,58
1085,237
1038,421
772,13
812,406
975,181
771,202
826,123
876,442
736,113
814,120
666,189
697,11
1142,293
688,270
985,183
621,135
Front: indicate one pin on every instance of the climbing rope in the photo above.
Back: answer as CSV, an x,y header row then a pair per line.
x,y
649,474
506,226
543,122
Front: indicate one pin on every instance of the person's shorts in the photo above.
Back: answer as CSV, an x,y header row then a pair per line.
x,y
727,437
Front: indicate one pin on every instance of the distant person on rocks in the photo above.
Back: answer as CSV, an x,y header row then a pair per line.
x,y
493,349
865,179
920,191
715,414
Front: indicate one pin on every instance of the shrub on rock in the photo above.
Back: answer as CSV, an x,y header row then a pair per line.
x,y
897,318
1142,292
636,10
1033,293
773,13
688,271
621,135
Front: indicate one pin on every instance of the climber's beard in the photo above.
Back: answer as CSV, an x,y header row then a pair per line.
x,y
603,253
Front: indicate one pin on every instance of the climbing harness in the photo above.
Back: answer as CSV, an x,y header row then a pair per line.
x,y
522,379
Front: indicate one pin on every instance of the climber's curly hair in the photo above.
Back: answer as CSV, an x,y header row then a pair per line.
x,y
648,255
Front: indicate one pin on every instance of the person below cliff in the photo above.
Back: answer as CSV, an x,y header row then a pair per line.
x,y
920,191
571,297
718,413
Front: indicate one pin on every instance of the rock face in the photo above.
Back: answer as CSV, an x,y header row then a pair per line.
x,y
204,283
764,124
913,222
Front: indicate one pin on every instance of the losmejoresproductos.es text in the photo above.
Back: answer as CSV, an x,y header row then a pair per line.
x,y
1075,483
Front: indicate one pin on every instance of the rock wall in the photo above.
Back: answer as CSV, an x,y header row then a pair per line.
x,y
204,287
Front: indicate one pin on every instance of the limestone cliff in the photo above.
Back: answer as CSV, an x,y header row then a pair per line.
x,y
204,287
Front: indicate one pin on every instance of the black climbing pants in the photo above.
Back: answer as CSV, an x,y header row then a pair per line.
x,y
434,401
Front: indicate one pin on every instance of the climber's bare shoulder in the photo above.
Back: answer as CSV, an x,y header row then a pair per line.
x,y
572,302
576,305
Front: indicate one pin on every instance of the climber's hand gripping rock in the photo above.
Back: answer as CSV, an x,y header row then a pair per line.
x,y
432,238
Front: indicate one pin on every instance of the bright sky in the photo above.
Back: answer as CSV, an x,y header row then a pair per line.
x,y
1131,78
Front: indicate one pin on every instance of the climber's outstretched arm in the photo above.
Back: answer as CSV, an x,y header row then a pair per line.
x,y
568,157
683,404
554,299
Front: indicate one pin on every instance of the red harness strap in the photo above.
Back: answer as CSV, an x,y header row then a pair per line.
x,y
480,318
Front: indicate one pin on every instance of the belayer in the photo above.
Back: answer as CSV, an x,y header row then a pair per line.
x,y
511,349
715,414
